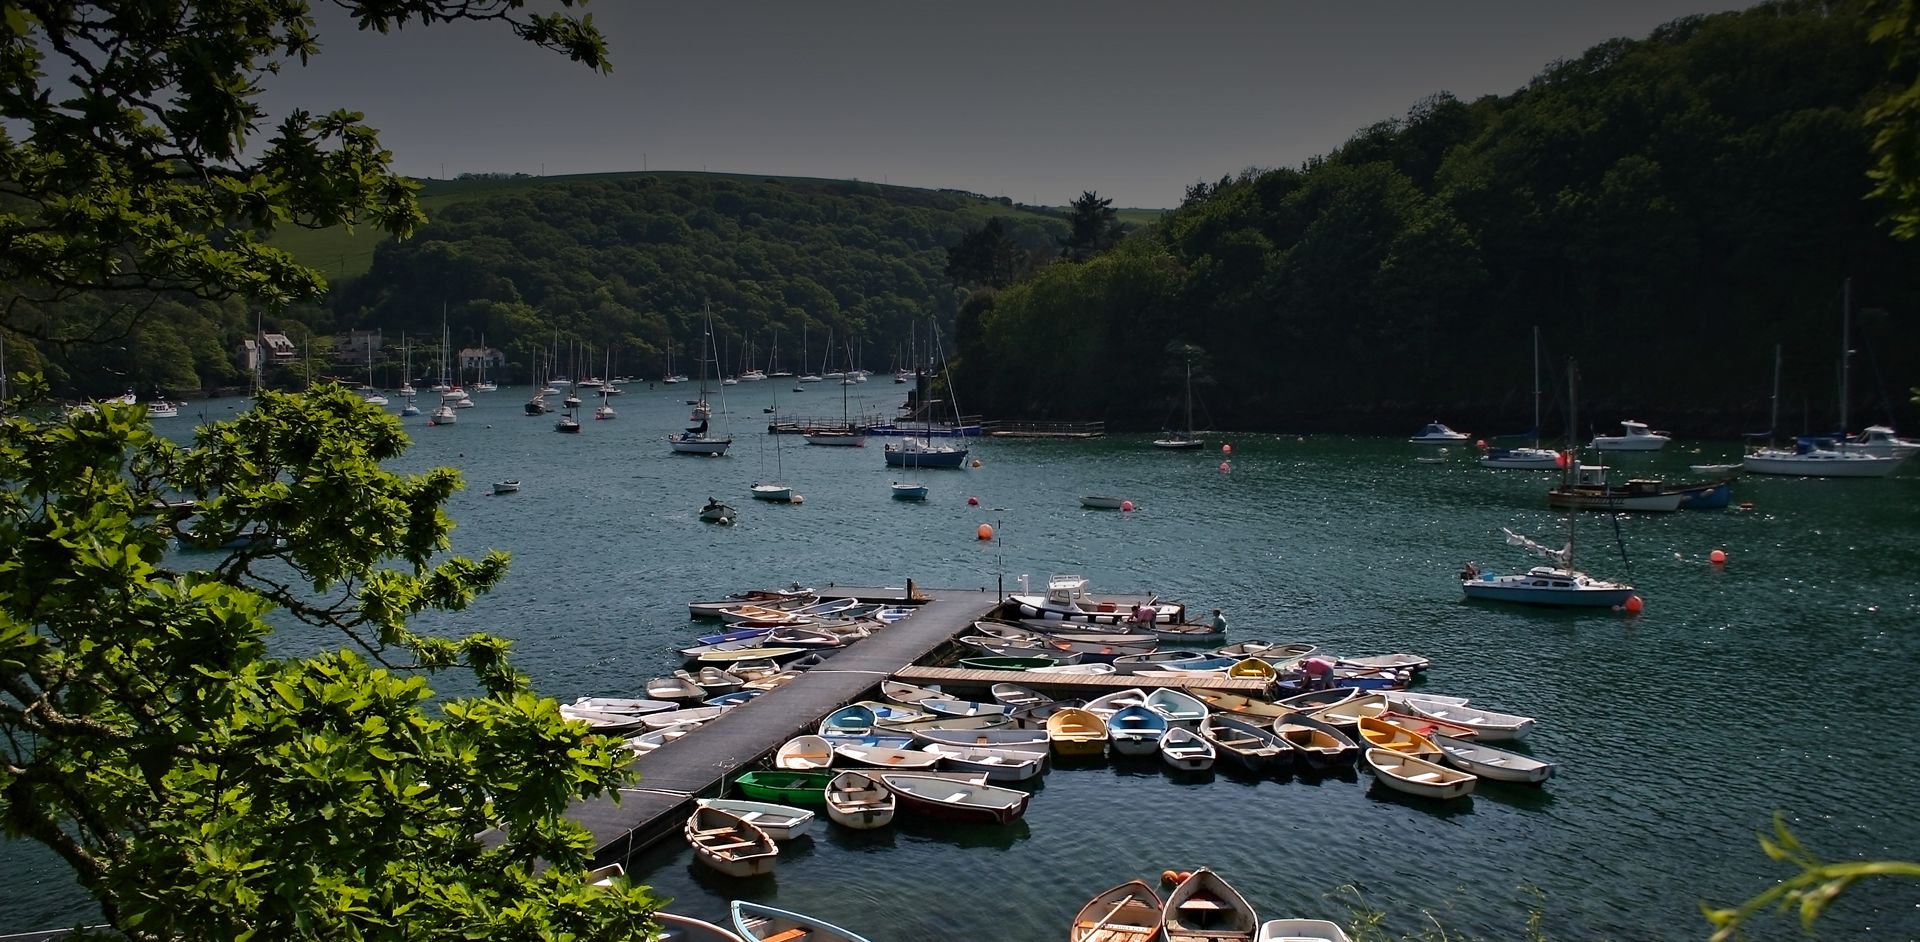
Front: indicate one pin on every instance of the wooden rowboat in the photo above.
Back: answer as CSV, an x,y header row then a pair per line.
x,y
767,924
1346,715
1427,726
1007,663
859,801
1205,908
674,688
1416,776
1381,734
1108,704
678,928
1021,740
1256,749
941,706
1016,696
627,705
1179,707
804,752
727,844
779,821
853,720
1491,726
1076,732
1488,762
1315,700
999,765
1129,912
1136,730
907,694
956,800
676,717
1321,745
1222,701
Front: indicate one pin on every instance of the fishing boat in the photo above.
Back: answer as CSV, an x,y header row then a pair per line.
x,y
903,490
1417,776
785,786
1076,732
779,821
1136,730
1589,489
1183,438
859,801
1380,734
1490,763
1179,707
1068,599
1255,749
804,752
1634,436
1321,745
999,765
727,844
1490,726
1205,908
885,757
1186,750
956,800
767,924
1129,912
1300,930
1437,433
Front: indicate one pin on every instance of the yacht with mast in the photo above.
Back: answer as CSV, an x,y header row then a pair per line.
x,y
1535,458
698,439
1183,438
1823,456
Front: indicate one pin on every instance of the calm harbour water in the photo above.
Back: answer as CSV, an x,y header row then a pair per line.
x,y
1777,682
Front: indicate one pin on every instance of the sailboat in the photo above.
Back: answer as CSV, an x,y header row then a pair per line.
x,y
810,377
406,382
1559,584
443,413
772,490
1183,438
481,383
923,452
605,409
697,439
1535,458
846,435
773,360
373,396
1823,456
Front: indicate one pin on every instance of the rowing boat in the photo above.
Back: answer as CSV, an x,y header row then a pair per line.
x,y
1129,912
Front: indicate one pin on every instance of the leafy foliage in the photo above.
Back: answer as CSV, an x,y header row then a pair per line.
x,y
198,786
1666,210
1896,119
1094,227
1809,892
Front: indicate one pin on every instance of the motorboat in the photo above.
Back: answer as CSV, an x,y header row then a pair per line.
x,y
1877,440
1634,436
1526,459
1547,585
1437,433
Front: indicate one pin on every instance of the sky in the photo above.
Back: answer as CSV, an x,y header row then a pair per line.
x,y
1035,100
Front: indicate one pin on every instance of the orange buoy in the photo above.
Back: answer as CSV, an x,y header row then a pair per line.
x,y
1183,876
985,532
1168,876
1634,604
976,462
1717,557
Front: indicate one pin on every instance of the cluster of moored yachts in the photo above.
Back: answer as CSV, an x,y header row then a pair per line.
x,y
920,750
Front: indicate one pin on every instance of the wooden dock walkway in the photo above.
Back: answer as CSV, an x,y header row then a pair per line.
x,y
698,765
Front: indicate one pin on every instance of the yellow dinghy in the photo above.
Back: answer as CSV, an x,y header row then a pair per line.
x,y
1076,732
1381,734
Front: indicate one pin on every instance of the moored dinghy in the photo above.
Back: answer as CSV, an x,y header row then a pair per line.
x,y
885,757
1489,726
961,801
675,688
859,801
1205,908
1257,750
847,721
727,844
1016,696
907,694
1179,707
1129,912
676,717
779,821
767,924
1136,730
1300,930
785,787
1020,740
1320,745
804,752
1107,705
1186,750
999,765
1490,763
1076,732
677,928
1417,776
1347,715
1380,734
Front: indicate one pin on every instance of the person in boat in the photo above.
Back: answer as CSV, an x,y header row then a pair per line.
x,y
1319,672
1143,614
1219,621
1469,572
711,505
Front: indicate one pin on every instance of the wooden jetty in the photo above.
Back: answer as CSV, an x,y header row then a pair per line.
x,y
1022,428
699,765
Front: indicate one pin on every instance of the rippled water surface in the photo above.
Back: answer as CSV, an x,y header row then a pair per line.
x,y
1779,682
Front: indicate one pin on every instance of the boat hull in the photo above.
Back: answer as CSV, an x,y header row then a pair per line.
x,y
933,797
1821,466
899,457
1520,590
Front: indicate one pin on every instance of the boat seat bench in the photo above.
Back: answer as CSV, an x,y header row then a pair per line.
x,y
730,845
790,935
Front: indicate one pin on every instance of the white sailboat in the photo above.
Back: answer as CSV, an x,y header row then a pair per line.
x,y
406,385
846,435
481,383
372,395
698,439
1823,457
774,491
604,411
1535,458
1559,584
1183,438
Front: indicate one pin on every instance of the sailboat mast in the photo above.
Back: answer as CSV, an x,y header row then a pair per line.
x,y
1773,418
1189,428
1573,449
1846,351
1536,385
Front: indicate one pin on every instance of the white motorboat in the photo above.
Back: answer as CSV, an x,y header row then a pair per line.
x,y
443,414
1488,762
1437,433
1877,440
1634,436
1547,585
1526,459
162,409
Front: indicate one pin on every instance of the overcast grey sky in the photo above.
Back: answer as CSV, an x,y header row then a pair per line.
x,y
1034,100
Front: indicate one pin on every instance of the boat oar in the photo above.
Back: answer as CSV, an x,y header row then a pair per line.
x,y
1097,926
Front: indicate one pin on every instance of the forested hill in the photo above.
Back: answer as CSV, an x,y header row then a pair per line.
x,y
633,261
1665,210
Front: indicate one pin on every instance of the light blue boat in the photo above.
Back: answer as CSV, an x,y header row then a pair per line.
x,y
1136,730
756,922
848,721
743,634
733,699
